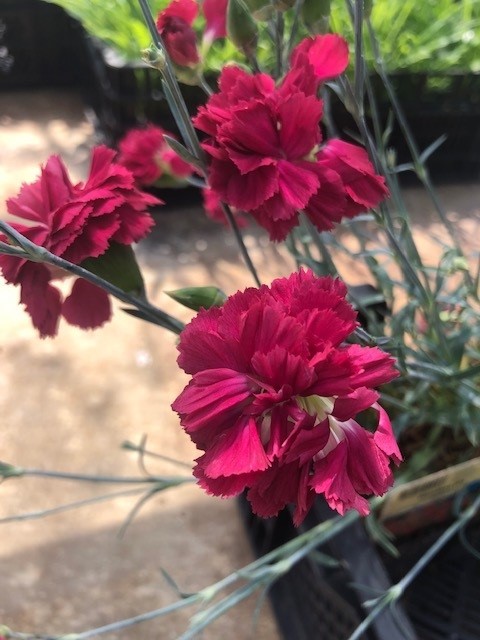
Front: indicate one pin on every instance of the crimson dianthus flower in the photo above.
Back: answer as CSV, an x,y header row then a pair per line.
x,y
264,148
174,24
74,222
145,153
274,396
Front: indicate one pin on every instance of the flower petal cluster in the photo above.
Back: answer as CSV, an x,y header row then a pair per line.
x,y
264,145
75,222
144,152
174,24
274,396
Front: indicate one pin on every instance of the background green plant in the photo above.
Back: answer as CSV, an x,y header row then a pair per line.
x,y
117,23
430,35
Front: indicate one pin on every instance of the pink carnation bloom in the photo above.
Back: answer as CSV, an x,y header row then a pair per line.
x,y
175,26
274,396
147,156
264,148
74,222
215,12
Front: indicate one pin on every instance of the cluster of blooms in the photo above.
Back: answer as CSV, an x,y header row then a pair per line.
x,y
276,390
264,145
274,395
175,22
144,152
74,222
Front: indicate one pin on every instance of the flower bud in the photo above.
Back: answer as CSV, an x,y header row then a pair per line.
x,y
315,14
241,27
154,57
197,298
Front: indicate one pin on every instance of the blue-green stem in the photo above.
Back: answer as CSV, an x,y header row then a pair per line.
x,y
266,569
20,472
293,31
35,515
279,42
243,249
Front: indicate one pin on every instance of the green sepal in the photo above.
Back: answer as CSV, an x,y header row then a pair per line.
x,y
10,471
118,265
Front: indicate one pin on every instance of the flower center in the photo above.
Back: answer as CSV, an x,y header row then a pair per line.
x,y
322,407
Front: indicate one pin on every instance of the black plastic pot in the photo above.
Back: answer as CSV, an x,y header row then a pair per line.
x,y
434,105
325,602
41,46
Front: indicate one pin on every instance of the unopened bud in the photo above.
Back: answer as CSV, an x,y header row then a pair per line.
x,y
241,27
154,57
197,298
367,8
315,15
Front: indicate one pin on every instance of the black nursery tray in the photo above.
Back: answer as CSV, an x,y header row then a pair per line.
x,y
434,105
315,601
127,94
40,46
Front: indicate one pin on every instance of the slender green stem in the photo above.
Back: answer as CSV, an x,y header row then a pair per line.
x,y
279,34
320,245
97,479
35,515
243,249
204,85
293,31
266,569
130,446
359,61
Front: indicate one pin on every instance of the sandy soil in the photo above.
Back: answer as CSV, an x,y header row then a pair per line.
x,y
69,403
